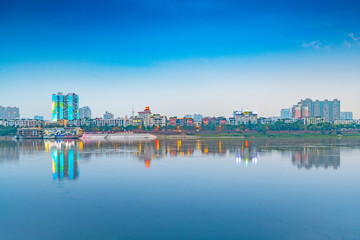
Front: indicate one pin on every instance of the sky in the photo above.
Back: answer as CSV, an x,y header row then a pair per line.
x,y
179,56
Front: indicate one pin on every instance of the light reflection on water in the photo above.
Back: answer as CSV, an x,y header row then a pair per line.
x,y
66,154
182,189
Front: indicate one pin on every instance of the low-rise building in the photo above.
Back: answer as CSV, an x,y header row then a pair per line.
x,y
173,121
213,121
197,117
135,122
345,122
346,116
156,120
232,121
264,120
41,118
189,122
313,120
222,121
246,117
205,121
180,122
118,122
23,123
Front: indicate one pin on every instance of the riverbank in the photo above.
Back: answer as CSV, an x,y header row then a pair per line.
x,y
257,136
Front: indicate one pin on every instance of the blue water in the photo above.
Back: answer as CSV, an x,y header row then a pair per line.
x,y
180,189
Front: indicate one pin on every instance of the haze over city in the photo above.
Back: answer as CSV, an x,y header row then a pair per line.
x,y
179,57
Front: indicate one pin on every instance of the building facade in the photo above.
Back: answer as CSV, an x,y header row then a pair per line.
x,y
108,115
65,107
118,122
329,110
299,112
144,116
197,117
313,120
84,112
9,113
156,120
247,117
346,116
285,113
29,123
41,118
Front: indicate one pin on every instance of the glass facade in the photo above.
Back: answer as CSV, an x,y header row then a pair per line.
x,y
61,107
65,107
285,113
77,109
70,107
54,108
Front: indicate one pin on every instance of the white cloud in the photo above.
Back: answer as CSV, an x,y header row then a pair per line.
x,y
347,43
351,35
317,44
353,42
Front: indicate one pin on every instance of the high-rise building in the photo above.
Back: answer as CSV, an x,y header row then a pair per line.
x,y
285,113
317,109
346,116
65,107
145,116
336,109
108,115
309,104
329,110
9,113
2,112
84,112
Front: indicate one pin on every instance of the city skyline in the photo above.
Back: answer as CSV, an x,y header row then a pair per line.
x,y
328,109
180,57
179,119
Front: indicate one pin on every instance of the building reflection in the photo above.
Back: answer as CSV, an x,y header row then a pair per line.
x,y
65,155
246,155
65,159
12,150
311,157
302,154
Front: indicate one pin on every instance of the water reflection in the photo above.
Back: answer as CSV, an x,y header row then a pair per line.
x,y
65,159
11,150
65,155
316,157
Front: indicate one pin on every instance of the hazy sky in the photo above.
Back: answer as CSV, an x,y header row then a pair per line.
x,y
179,57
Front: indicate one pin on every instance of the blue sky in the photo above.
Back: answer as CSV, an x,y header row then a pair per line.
x,y
179,57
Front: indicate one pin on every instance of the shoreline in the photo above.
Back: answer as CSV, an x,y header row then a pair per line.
x,y
242,136
256,136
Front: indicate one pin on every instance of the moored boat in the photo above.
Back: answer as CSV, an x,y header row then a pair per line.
x,y
29,133
124,136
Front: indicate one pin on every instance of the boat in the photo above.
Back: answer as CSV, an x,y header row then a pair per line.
x,y
29,133
123,136
62,133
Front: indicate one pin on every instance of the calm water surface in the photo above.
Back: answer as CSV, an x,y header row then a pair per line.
x,y
180,189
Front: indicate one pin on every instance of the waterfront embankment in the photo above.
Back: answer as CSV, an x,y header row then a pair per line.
x,y
258,135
